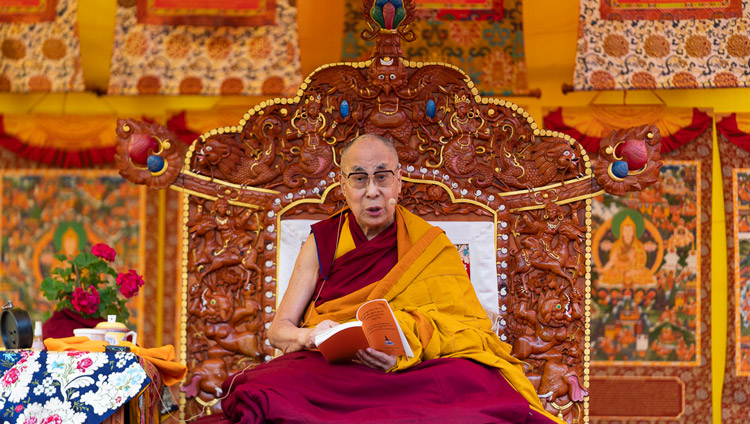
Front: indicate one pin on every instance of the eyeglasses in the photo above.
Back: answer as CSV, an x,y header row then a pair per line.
x,y
361,179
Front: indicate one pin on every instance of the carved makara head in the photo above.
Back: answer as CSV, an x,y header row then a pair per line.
x,y
213,150
554,156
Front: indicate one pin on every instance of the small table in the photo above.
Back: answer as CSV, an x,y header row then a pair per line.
x,y
71,387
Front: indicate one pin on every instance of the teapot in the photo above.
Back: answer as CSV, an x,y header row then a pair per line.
x,y
115,331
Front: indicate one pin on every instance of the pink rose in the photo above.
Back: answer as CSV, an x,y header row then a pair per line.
x,y
31,420
103,251
11,376
84,301
83,364
75,353
129,283
18,408
52,419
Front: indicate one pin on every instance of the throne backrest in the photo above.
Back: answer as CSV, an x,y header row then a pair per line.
x,y
481,166
471,228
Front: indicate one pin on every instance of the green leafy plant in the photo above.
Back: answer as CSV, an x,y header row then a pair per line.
x,y
89,285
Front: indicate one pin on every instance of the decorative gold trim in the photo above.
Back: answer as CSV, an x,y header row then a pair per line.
x,y
160,172
547,187
160,248
561,202
227,183
209,197
611,175
587,312
183,295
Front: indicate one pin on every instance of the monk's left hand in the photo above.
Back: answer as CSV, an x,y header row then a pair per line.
x,y
376,359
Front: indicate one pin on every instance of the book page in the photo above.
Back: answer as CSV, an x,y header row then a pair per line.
x,y
381,328
342,342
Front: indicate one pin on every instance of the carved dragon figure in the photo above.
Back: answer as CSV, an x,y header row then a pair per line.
x,y
535,164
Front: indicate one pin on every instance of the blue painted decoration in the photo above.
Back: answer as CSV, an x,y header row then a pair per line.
x,y
620,169
155,163
430,108
344,109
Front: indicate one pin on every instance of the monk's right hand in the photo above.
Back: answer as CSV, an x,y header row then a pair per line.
x,y
322,326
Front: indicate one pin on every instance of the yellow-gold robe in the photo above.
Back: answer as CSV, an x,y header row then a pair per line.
x,y
433,300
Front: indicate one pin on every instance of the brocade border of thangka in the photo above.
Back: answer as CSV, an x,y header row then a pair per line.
x,y
638,10
43,10
149,12
735,391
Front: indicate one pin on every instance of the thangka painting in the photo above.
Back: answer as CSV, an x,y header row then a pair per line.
x,y
741,185
733,135
489,49
48,212
40,47
629,44
646,279
651,272
198,60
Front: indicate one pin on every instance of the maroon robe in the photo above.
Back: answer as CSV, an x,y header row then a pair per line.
x,y
369,262
302,387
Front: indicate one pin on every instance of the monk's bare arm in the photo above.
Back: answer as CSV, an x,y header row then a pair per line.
x,y
284,333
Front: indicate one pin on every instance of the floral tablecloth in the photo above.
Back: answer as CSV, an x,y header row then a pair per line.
x,y
41,387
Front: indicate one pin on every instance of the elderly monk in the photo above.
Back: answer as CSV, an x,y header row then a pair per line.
x,y
461,371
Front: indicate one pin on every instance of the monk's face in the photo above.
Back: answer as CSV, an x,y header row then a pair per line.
x,y
371,204
628,233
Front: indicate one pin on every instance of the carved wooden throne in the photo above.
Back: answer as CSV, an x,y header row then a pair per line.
x,y
464,158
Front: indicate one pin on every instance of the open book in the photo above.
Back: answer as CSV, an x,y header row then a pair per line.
x,y
376,327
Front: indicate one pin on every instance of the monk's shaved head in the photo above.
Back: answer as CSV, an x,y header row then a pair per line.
x,y
368,138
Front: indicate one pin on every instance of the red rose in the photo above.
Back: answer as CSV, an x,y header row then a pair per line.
x,y
18,408
129,283
11,376
84,301
103,251
31,420
83,364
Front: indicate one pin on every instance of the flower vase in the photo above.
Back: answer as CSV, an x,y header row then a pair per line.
x,y
63,322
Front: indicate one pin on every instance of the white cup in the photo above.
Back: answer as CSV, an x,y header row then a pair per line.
x,y
91,333
114,337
